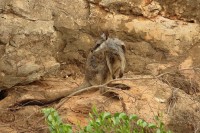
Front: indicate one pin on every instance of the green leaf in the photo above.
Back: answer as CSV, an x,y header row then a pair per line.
x,y
50,118
139,122
169,132
46,111
144,124
98,121
106,115
133,117
114,121
158,131
94,111
91,116
88,128
161,124
122,116
116,114
103,122
55,114
151,125
117,120
157,118
54,124
67,126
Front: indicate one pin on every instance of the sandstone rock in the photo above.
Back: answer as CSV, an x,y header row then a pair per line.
x,y
142,48
30,10
70,14
27,69
184,9
27,50
151,10
7,130
34,34
161,33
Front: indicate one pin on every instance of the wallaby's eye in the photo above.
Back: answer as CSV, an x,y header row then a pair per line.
x,y
124,48
98,45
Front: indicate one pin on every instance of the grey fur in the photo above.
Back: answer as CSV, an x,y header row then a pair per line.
x,y
105,62
114,50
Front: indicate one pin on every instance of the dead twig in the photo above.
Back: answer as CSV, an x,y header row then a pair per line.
x,y
97,86
172,100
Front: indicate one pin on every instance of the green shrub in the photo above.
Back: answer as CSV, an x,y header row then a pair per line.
x,y
105,123
54,122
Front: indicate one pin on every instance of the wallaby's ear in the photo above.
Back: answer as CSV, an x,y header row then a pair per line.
x,y
105,35
124,48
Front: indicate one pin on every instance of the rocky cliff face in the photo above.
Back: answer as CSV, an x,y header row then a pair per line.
x,y
37,37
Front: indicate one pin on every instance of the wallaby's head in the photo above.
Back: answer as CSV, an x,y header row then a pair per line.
x,y
115,42
106,43
100,45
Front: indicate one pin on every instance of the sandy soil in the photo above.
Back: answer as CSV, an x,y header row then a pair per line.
x,y
20,107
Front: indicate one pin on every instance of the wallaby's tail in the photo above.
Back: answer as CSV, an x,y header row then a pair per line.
x,y
85,84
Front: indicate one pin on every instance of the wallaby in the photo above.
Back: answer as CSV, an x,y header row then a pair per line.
x,y
105,62
114,52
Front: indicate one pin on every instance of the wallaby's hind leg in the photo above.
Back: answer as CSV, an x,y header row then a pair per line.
x,y
121,74
110,67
